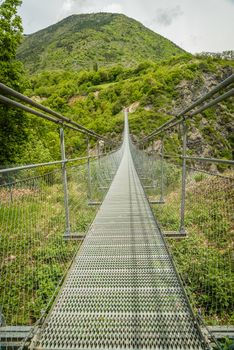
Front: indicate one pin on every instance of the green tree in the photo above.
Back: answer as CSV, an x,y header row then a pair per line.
x,y
13,123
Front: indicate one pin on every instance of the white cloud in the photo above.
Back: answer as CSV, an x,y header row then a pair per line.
x,y
116,8
67,5
179,20
66,9
70,7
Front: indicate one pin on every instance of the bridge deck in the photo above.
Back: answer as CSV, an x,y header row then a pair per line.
x,y
122,291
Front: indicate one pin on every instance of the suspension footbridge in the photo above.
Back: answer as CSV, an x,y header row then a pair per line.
x,y
122,289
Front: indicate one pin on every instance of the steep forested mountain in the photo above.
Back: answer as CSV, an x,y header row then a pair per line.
x,y
89,67
154,92
91,40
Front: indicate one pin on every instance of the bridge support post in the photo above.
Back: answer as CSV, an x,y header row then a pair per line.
x,y
183,189
88,171
162,171
98,149
65,187
142,160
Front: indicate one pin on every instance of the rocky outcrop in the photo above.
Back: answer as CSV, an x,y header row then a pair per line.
x,y
133,107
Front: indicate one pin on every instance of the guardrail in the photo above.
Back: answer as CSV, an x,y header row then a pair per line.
x,y
181,119
42,229
56,118
196,204
59,118
44,208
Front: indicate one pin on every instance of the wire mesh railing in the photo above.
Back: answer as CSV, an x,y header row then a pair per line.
x,y
44,212
34,254
102,172
197,204
204,257
33,251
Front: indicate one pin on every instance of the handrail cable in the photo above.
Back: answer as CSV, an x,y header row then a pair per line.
x,y
200,159
31,166
37,165
178,121
181,115
61,118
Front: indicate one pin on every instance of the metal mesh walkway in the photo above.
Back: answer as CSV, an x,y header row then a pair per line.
x,y
122,291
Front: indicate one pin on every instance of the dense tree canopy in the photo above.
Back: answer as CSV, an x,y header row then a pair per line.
x,y
11,29
93,40
13,123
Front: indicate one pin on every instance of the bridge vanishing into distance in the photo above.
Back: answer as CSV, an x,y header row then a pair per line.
x,y
122,288
123,291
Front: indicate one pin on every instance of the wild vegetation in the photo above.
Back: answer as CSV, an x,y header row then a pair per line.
x,y
152,91
95,96
88,41
13,124
204,257
34,254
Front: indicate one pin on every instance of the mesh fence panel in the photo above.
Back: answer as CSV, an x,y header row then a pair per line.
x,y
205,257
34,256
33,252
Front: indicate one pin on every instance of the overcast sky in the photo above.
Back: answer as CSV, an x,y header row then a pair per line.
x,y
194,25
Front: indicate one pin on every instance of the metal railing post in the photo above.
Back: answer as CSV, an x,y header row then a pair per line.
x,y
162,171
98,153
88,171
10,188
142,160
65,186
183,189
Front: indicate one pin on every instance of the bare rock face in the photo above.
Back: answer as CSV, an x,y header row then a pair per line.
x,y
96,94
155,146
197,143
207,151
185,91
133,107
72,100
195,140
38,99
204,122
191,90
213,168
148,107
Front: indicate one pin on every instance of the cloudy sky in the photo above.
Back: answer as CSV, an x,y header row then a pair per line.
x,y
195,25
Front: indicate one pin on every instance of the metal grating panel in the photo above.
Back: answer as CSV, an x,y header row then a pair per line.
x,y
122,291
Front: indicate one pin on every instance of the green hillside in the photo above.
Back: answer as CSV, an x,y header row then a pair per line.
x,y
91,40
153,91
90,67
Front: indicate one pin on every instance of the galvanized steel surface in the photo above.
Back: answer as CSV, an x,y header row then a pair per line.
x,y
122,291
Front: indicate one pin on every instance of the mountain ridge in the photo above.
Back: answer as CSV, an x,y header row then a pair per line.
x,y
87,41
